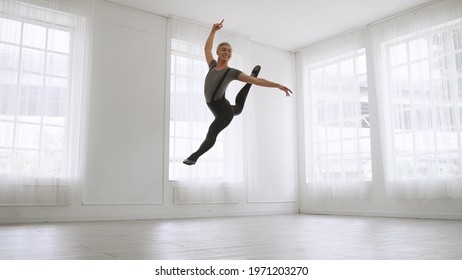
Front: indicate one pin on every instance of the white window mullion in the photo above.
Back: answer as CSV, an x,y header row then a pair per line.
x,y
456,99
14,149
42,103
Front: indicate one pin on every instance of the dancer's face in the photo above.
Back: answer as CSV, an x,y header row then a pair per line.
x,y
225,52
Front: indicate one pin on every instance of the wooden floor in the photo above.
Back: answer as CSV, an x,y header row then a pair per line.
x,y
281,237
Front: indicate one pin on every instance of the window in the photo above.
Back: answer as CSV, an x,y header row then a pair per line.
x,y
189,116
425,87
40,85
338,131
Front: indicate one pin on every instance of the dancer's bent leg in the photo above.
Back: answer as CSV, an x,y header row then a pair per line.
x,y
223,117
242,94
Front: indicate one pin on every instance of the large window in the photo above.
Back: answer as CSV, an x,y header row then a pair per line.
x,y
41,85
189,115
34,93
337,123
425,90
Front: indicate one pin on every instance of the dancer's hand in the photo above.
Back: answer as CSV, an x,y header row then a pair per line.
x,y
285,89
218,26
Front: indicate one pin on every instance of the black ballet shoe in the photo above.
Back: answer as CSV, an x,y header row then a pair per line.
x,y
255,71
189,162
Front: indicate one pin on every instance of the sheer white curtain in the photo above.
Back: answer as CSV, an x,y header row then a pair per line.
x,y
418,64
337,129
218,174
44,68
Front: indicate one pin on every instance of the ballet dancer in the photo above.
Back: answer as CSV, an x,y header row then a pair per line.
x,y
216,82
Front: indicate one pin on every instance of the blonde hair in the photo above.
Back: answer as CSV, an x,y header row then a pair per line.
x,y
223,44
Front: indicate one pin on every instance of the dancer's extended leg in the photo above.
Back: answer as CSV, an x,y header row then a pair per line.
x,y
223,116
242,94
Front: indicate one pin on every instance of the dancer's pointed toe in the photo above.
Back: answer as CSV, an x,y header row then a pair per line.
x,y
189,161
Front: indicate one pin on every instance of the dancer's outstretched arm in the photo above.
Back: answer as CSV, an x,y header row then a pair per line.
x,y
209,43
262,82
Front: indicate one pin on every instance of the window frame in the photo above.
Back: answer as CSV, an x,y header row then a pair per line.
x,y
324,174
62,169
410,110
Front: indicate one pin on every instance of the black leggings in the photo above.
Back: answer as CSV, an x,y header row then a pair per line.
x,y
224,113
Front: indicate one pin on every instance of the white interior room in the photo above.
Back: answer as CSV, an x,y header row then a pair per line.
x,y
102,100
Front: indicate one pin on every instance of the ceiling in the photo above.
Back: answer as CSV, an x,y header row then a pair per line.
x,y
285,24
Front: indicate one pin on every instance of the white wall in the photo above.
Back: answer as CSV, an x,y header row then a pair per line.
x,y
126,168
125,148
275,127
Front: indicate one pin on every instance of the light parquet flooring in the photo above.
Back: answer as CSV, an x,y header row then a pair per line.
x,y
281,237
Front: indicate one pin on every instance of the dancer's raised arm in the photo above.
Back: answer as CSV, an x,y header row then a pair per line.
x,y
209,43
